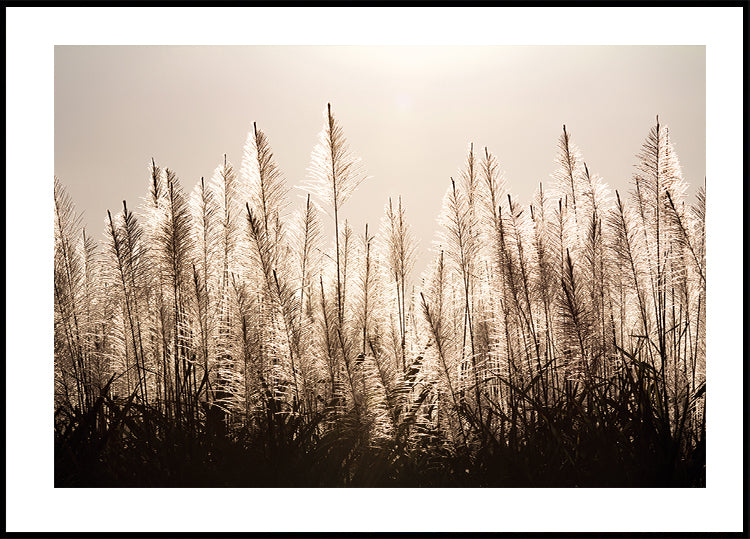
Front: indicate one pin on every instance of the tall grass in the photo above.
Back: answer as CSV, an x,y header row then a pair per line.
x,y
218,339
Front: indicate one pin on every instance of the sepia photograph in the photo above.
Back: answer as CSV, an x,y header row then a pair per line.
x,y
366,266
508,317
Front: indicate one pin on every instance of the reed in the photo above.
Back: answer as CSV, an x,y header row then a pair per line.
x,y
218,339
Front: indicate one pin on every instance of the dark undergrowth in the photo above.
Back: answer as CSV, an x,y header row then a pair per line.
x,y
568,445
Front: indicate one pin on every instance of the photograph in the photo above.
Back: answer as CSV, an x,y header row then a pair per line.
x,y
427,281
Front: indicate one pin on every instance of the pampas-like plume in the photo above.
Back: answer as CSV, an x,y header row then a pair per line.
x,y
70,296
658,174
461,238
304,239
206,277
469,179
365,307
494,189
94,314
281,296
227,192
306,235
128,273
399,252
266,187
517,230
433,306
625,249
547,268
333,176
595,257
173,248
575,321
460,231
266,190
568,175
334,172
681,233
368,282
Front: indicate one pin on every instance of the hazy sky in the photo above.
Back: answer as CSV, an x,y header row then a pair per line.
x,y
408,112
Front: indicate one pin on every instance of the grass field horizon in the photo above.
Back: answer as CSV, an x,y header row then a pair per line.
x,y
224,334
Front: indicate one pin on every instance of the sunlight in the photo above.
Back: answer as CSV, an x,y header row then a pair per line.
x,y
404,102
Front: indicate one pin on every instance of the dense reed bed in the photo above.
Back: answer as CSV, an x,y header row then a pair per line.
x,y
217,338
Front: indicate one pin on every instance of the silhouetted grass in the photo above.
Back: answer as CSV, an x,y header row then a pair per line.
x,y
565,446
219,343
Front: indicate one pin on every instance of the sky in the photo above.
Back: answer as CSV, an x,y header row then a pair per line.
x,y
410,113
